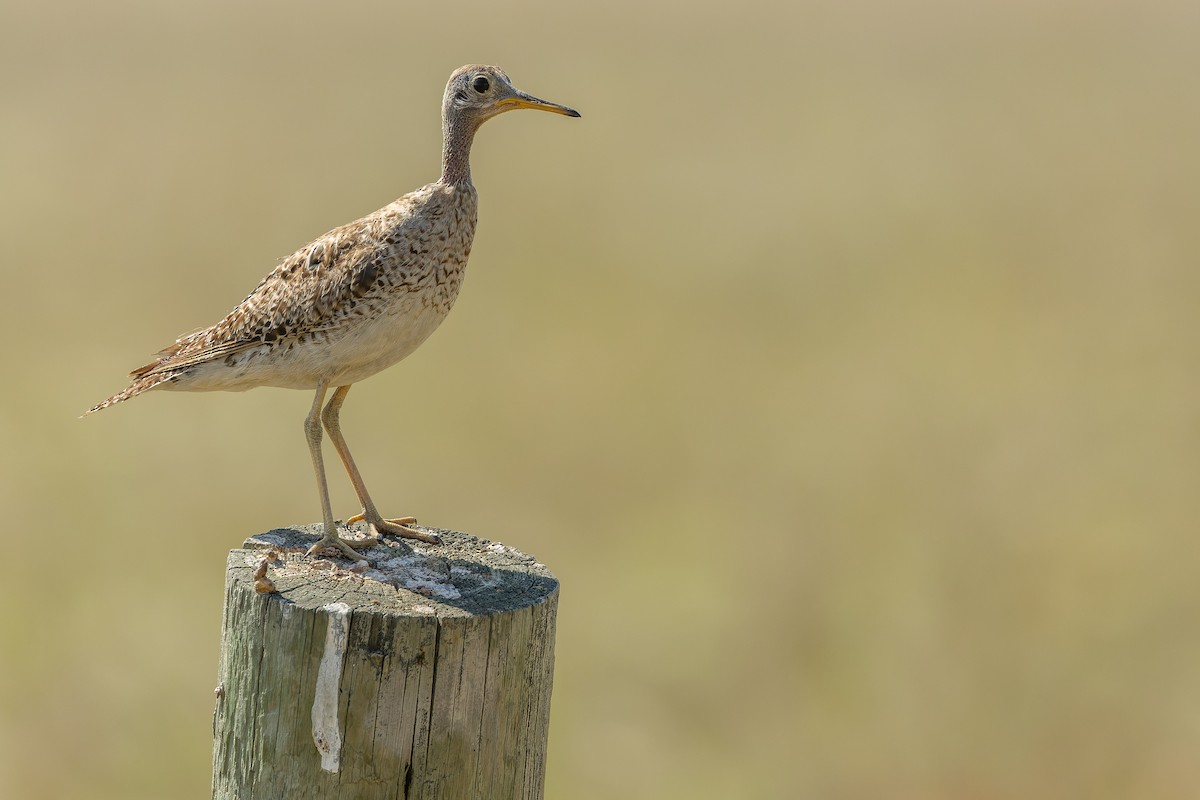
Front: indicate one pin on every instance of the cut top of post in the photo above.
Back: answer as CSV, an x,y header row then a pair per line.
x,y
462,576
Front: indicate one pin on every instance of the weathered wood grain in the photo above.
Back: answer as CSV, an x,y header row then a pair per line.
x,y
436,664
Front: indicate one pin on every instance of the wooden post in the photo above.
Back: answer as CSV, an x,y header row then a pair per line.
x,y
424,675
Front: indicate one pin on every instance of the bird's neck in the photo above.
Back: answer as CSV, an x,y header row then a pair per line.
x,y
457,136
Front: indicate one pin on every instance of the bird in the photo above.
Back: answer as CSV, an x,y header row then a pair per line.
x,y
352,302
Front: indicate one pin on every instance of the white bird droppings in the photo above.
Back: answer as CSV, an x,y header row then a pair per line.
x,y
326,734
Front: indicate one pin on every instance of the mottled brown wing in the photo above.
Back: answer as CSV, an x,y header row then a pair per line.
x,y
310,291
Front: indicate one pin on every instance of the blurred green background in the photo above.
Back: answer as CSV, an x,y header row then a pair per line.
x,y
842,361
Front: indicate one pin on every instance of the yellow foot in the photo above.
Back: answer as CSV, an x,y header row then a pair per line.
x,y
396,527
397,521
338,543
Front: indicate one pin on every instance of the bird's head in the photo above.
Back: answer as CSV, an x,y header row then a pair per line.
x,y
477,92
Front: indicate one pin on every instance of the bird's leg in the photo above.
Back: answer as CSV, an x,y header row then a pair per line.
x,y
396,527
312,432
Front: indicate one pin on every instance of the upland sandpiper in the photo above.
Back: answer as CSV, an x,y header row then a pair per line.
x,y
353,302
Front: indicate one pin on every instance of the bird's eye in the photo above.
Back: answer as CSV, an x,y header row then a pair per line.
x,y
480,84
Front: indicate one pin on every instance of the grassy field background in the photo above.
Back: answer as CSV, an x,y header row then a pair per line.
x,y
843,361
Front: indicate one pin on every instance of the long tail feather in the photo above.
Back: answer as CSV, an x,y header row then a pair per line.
x,y
139,385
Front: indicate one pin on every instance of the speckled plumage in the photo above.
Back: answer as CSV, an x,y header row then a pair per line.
x,y
356,300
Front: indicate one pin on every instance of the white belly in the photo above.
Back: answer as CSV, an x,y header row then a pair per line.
x,y
338,358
